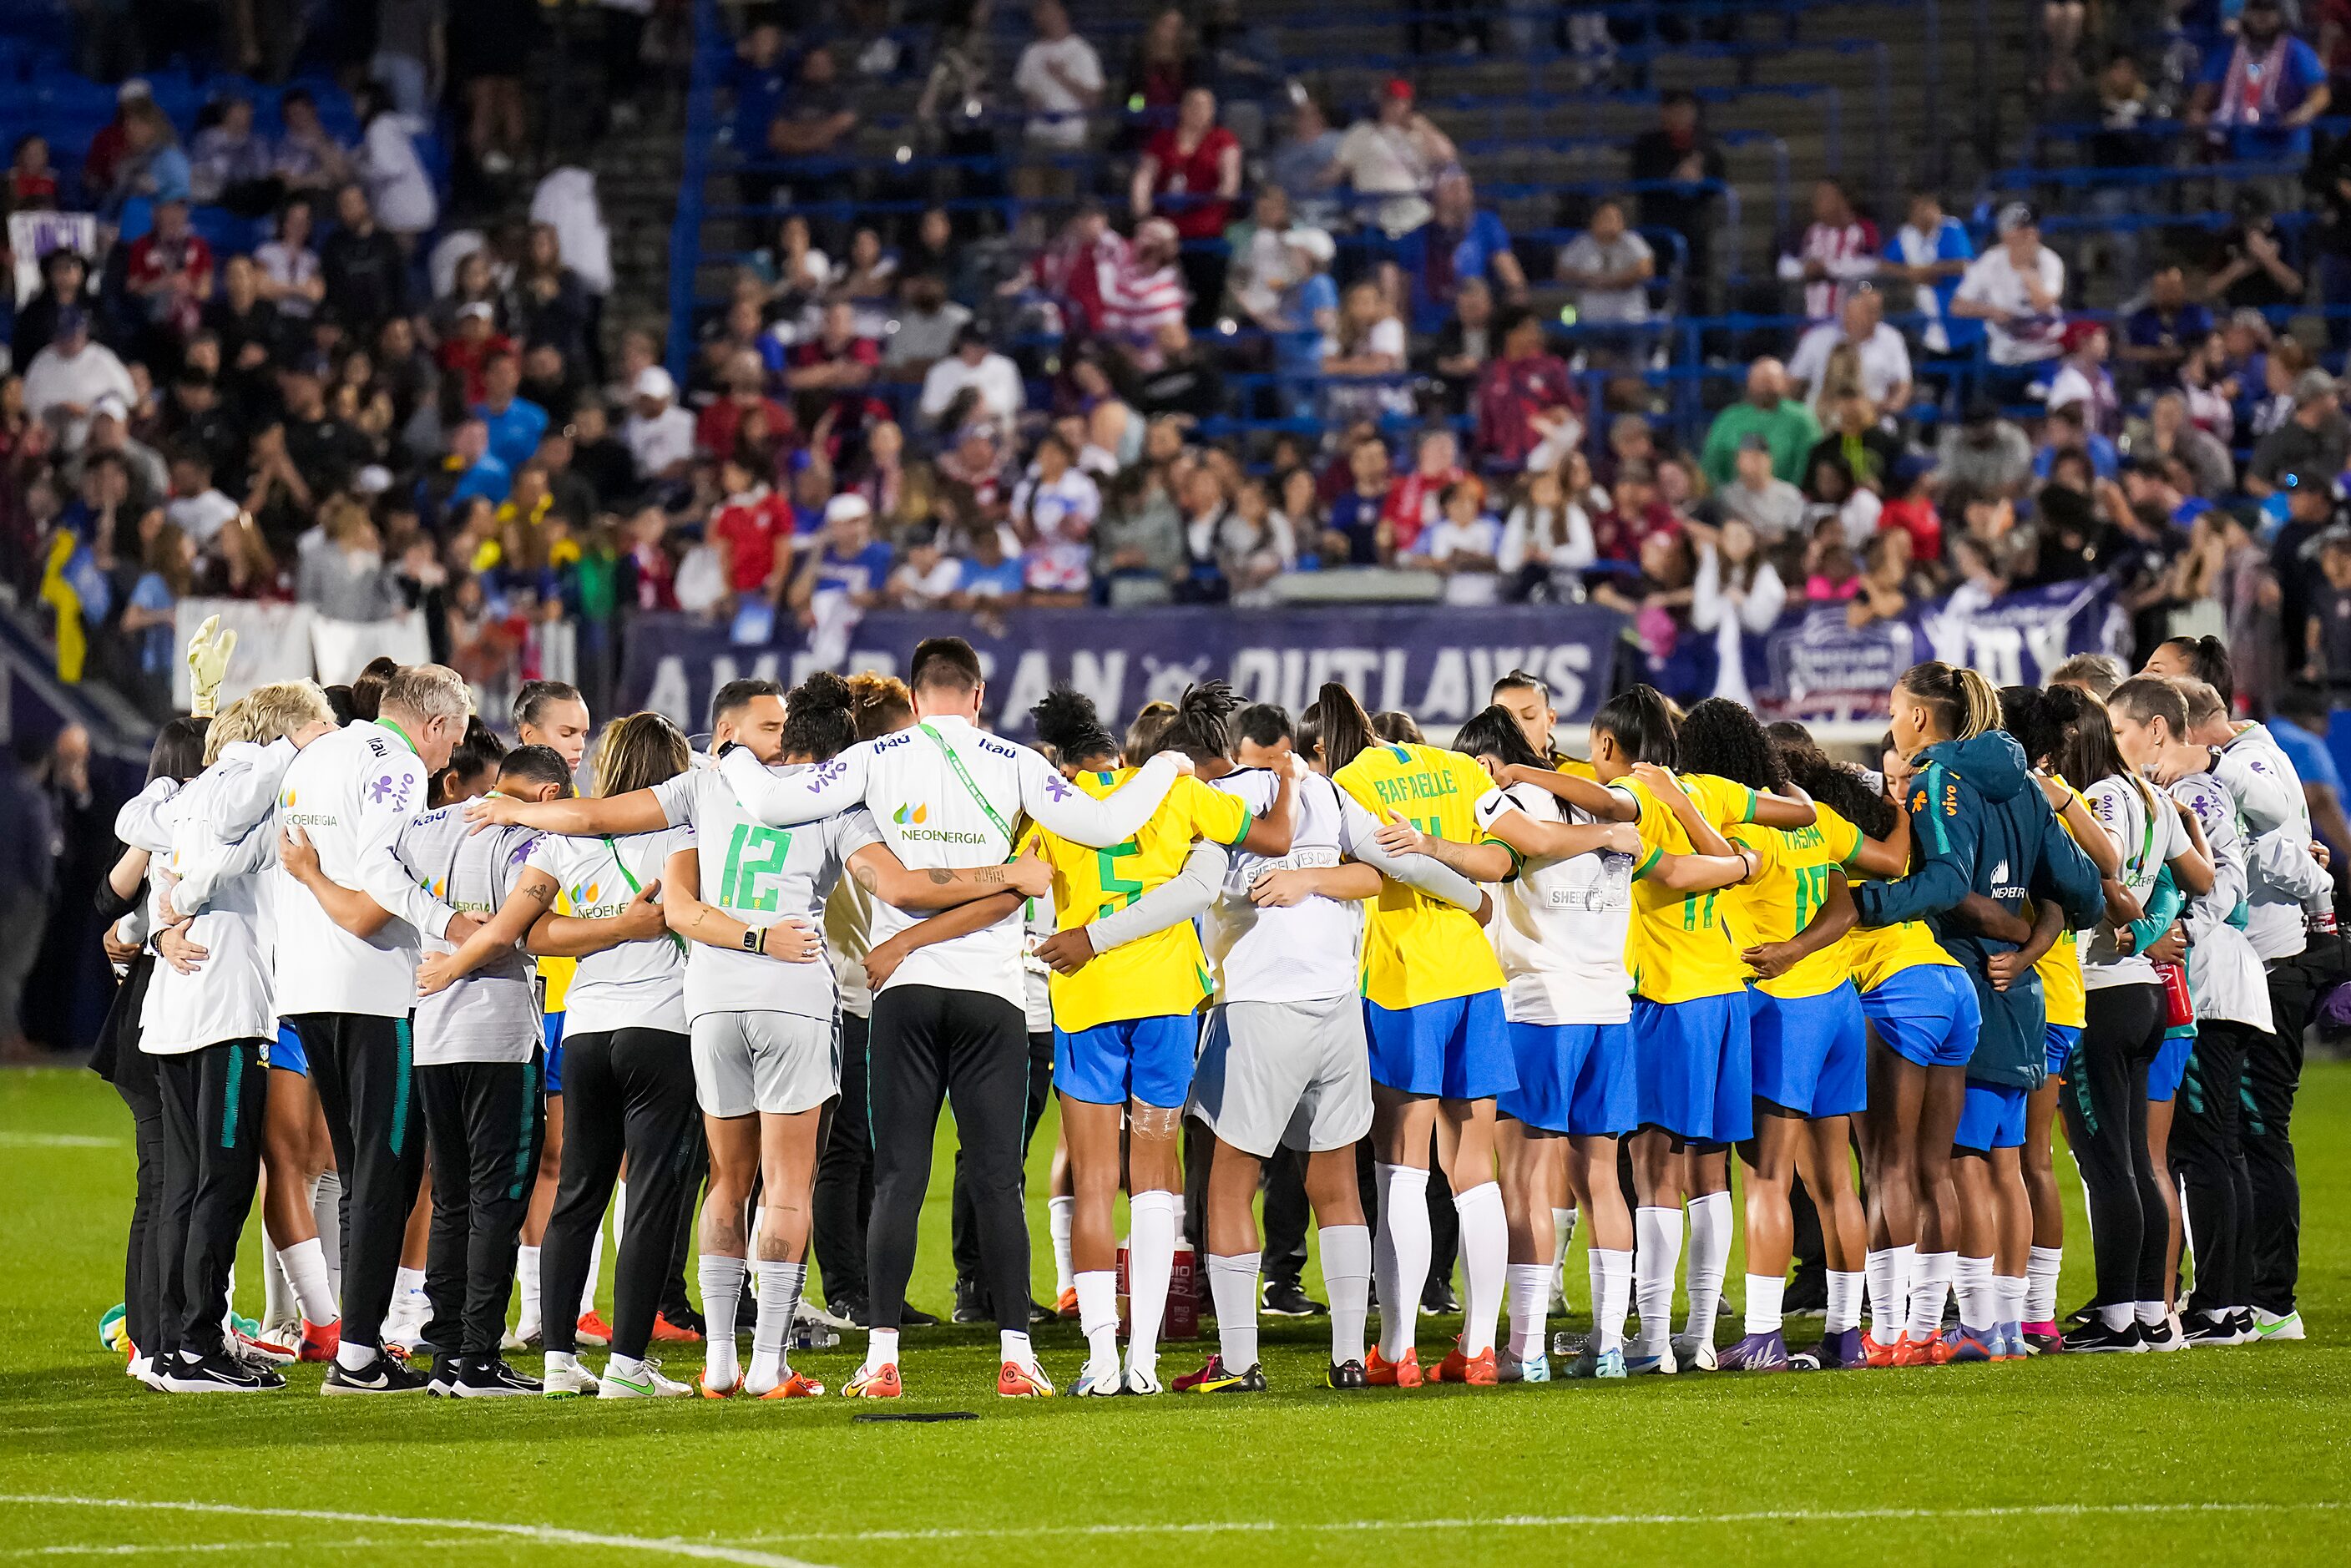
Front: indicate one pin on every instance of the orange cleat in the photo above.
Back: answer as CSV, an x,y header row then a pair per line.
x,y
1066,1306
1014,1381
320,1341
669,1333
1935,1351
707,1392
1379,1372
1876,1353
1458,1368
797,1386
873,1383
594,1330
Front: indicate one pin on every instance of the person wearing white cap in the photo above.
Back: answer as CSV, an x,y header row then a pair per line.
x,y
658,433
67,378
840,579
110,431
2017,288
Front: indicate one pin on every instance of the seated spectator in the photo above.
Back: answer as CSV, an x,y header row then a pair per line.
x,y
1679,168
1527,408
65,285
972,475
152,169
1787,426
1163,66
230,162
812,134
110,433
1856,442
2253,273
111,143
1417,501
1300,166
1179,376
927,578
1055,509
2084,379
974,383
1634,511
1389,162
1984,453
846,569
870,274
1832,570
290,279
1190,173
1881,591
1546,541
1837,249
1759,497
1141,290
1464,345
2259,97
2068,430
2017,288
1366,347
1608,267
1910,506
466,352
32,178
1930,252
2315,438
830,375
1139,554
929,325
1357,532
1059,77
752,530
197,508
67,378
718,428
993,573
308,157
548,304
1736,594
346,578
1458,243
1463,544
1202,503
365,270
658,433
515,423
2169,433
1833,494
1254,544
473,469
1880,359
2159,334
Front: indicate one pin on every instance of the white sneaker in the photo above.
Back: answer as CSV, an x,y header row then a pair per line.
x,y
524,1335
403,1325
1141,1380
648,1383
1097,1383
1694,1353
565,1378
809,1312
143,1369
2268,1326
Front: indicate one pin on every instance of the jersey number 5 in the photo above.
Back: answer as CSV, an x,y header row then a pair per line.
x,y
1118,892
754,853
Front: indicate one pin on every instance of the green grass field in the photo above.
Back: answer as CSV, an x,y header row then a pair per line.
x,y
2239,1455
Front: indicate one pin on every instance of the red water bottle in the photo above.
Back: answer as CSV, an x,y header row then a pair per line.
x,y
1183,1321
2179,1005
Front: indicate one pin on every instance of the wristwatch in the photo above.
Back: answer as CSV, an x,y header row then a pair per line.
x,y
755,939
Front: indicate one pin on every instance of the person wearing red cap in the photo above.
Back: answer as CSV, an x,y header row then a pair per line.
x,y
1394,156
2084,379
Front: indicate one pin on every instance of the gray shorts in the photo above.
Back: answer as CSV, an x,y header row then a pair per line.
x,y
1293,1073
775,1063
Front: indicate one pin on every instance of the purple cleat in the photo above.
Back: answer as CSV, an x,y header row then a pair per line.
x,y
1756,1353
1839,1352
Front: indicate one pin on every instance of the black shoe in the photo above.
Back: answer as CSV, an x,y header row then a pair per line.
x,y
1249,1382
854,1308
913,1317
444,1375
2204,1331
1439,1298
2162,1335
488,1378
686,1318
1040,1313
971,1305
2094,1338
1346,1374
1808,1291
2088,1313
220,1374
384,1375
1286,1298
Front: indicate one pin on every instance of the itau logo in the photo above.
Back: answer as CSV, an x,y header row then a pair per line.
x,y
910,815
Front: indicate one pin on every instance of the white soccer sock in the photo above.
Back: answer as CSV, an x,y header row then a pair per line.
x,y
2041,1270
1709,1255
527,1276
1485,1254
1658,1232
595,1272
722,1293
881,1349
1232,1285
557,1361
1887,1273
1844,1302
1930,1275
1403,1225
276,1289
1978,1309
1062,1216
627,1367
305,1263
1530,1304
1382,1245
327,1210
1150,1264
1764,1294
2008,1290
2117,1315
780,1284
1347,1275
1098,1318
1562,1236
1612,1298
353,1356
2152,1312
405,1281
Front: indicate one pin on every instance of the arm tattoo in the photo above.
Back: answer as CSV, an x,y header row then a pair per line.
x,y
940,876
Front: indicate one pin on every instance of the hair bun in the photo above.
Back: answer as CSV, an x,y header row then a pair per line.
x,y
1067,720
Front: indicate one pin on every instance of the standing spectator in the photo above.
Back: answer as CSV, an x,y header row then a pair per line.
x,y
1054,509
2157,336
1139,546
1609,268
1060,78
1458,243
32,178
717,430
831,373
1162,70
752,530
27,873
1253,544
229,163
1881,360
1190,171
809,134
2315,439
1759,497
2084,379
991,381
1930,252
365,270
67,379
2169,433
1300,166
1390,161
2257,99
1527,403
408,36
1356,529
2017,288
487,42
1417,501
1141,290
290,279
170,272
658,433
1837,249
1787,427
346,577
2254,274
1678,167
1736,595
109,146
928,326
309,159
152,169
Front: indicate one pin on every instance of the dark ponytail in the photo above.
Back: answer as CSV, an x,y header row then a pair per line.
x,y
2208,659
1641,722
1199,728
1840,787
1341,725
1495,732
1066,721
817,725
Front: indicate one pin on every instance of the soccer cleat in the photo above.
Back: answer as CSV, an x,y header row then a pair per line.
x,y
648,1383
1093,1384
668,1333
1286,1298
1014,1381
1839,1352
1609,1364
1141,1381
2166,1335
795,1386
1346,1374
1696,1354
1184,1382
701,1387
2094,1338
1534,1369
114,1328
2042,1338
286,1331
142,1369
2271,1327
259,1347
593,1330
1662,1364
1455,1367
873,1383
219,1374
1438,1298
1757,1352
1065,1305
523,1336
1249,1382
387,1374
1935,1351
1973,1345
971,1307
489,1378
319,1342
1379,1372
567,1379
1875,1351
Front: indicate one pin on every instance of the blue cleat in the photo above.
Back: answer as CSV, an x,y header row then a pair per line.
x,y
1974,1345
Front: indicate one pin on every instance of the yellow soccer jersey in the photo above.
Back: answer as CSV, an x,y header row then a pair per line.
x,y
1682,949
1791,883
1417,950
1159,975
2061,990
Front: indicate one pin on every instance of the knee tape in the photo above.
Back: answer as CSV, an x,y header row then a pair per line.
x,y
1154,1121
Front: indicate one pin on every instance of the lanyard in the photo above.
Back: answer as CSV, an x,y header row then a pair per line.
x,y
636,887
964,773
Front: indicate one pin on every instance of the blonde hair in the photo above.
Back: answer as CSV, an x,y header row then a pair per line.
x,y
267,714
2203,700
1964,701
639,751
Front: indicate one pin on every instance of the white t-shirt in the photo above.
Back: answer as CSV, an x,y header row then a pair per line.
x,y
1062,515
1559,926
2121,807
658,443
201,516
1445,539
997,379
635,985
1993,279
1306,952
1885,361
491,1014
1049,98
762,876
926,589
1584,253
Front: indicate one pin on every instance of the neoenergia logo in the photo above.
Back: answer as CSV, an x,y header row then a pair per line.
x,y
911,814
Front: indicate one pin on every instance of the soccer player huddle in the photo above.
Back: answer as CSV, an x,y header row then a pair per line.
x,y
726,994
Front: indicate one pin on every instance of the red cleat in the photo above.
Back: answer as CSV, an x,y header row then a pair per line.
x,y
1066,1307
1014,1381
1379,1372
799,1385
878,1383
1458,1368
1191,1380
320,1341
594,1330
1876,1353
669,1333
1935,1351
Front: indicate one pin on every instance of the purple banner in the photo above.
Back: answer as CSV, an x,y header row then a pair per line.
x,y
1437,662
